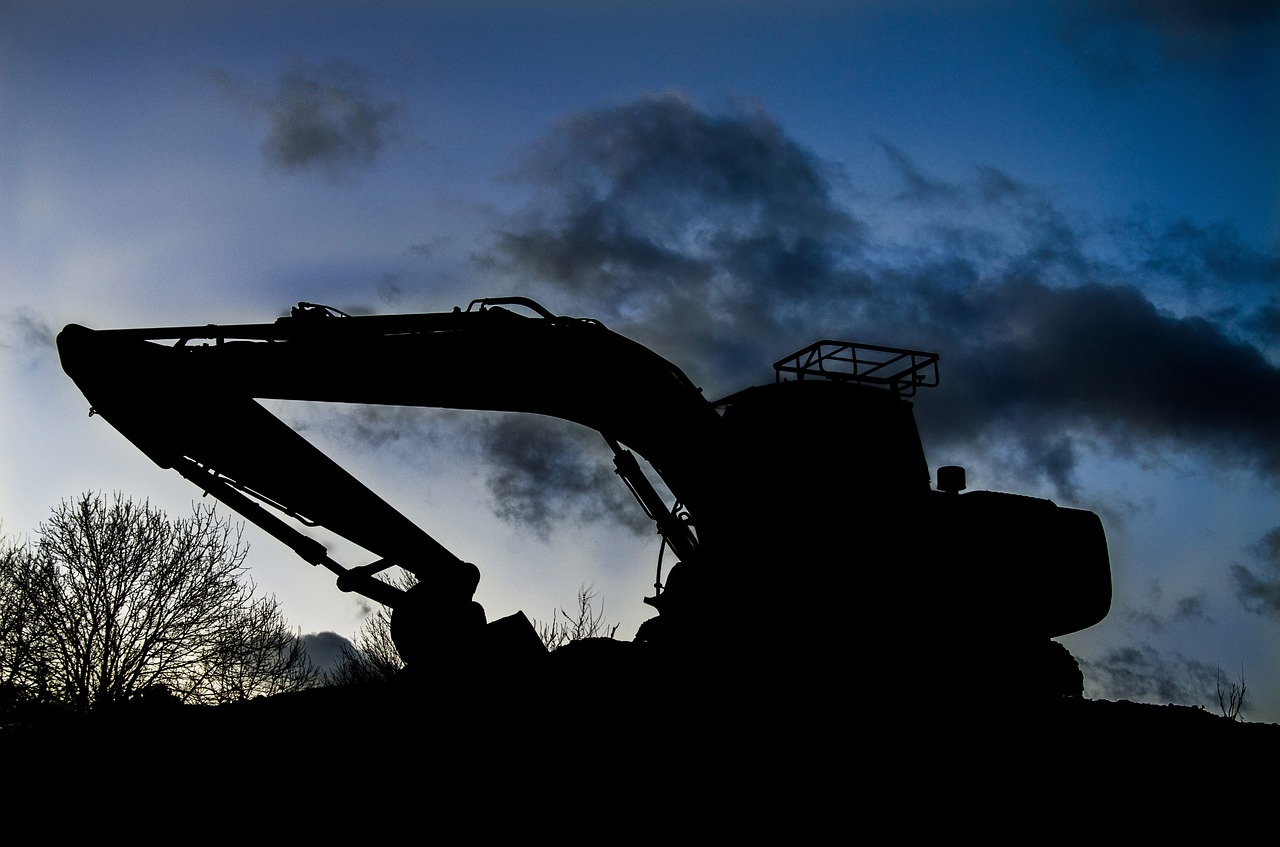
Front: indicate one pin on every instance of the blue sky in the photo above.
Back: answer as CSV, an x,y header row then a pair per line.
x,y
1076,204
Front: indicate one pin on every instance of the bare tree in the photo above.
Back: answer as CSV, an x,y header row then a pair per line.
x,y
565,627
1231,699
19,630
255,654
116,598
373,656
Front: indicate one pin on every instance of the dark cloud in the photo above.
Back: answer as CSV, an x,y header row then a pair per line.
x,y
723,245
920,187
1210,268
404,430
1195,30
28,331
542,472
1259,589
429,248
1263,323
1142,674
539,472
390,289
28,336
1103,361
323,118
1190,609
1127,40
324,648
671,217
1203,256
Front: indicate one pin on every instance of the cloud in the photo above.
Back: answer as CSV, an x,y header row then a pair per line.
x,y
325,648
723,244
28,335
29,330
1129,40
1142,674
390,289
1102,360
1191,608
921,187
1202,256
1196,30
323,119
662,213
1209,268
539,472
1259,590
542,472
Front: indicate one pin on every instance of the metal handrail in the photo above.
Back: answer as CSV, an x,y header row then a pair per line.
x,y
898,369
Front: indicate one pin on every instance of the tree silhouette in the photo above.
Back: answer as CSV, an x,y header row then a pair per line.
x,y
373,656
255,654
114,598
566,627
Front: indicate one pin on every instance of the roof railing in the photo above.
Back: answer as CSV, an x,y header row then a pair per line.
x,y
900,370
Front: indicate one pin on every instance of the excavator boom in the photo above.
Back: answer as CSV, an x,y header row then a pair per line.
x,y
187,397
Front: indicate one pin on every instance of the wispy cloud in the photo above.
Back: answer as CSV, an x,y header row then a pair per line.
x,y
28,335
542,472
1258,589
1156,616
29,329
326,119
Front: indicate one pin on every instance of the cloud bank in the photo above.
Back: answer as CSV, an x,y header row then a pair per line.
x,y
1143,674
723,244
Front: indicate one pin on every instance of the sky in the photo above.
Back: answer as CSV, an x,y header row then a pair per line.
x,y
1076,204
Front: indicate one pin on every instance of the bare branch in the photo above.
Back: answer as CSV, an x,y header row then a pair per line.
x,y
115,598
1231,700
586,622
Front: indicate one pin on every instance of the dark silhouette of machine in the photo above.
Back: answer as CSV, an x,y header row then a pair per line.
x,y
804,524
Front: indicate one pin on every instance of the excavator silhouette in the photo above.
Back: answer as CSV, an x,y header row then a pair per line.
x,y
804,526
